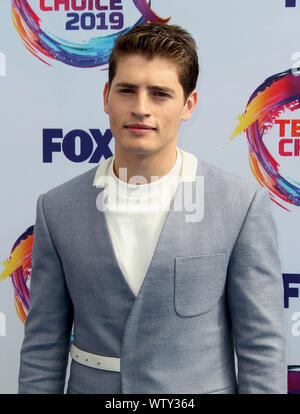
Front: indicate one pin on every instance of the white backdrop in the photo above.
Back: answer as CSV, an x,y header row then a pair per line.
x,y
240,44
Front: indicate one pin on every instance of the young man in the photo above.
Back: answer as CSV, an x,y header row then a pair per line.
x,y
160,298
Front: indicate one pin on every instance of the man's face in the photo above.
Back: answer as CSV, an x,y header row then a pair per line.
x,y
145,104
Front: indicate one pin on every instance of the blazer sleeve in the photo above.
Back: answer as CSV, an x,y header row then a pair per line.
x,y
255,302
45,348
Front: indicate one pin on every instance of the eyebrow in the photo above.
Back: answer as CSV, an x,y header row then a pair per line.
x,y
152,87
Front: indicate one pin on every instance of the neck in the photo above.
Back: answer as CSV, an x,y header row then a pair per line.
x,y
143,168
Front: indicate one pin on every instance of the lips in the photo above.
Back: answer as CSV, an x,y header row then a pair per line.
x,y
140,127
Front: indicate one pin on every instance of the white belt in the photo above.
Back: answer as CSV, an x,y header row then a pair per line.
x,y
95,361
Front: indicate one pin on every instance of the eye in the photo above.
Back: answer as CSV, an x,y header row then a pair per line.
x,y
160,94
126,91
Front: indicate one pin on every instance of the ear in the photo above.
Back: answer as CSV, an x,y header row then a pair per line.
x,y
190,105
105,97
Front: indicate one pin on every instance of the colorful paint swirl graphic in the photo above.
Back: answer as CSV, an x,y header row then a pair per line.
x,y
93,53
18,268
277,94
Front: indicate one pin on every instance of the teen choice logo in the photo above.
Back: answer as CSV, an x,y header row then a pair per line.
x,y
79,33
271,121
18,269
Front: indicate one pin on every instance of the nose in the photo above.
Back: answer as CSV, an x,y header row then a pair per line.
x,y
141,108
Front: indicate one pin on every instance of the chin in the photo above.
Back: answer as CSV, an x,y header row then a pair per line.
x,y
140,148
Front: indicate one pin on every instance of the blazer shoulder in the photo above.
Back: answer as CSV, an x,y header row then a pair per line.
x,y
224,188
220,178
72,190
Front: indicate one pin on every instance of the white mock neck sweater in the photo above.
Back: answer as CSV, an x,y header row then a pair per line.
x,y
135,215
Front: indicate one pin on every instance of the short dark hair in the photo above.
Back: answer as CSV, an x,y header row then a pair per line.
x,y
160,40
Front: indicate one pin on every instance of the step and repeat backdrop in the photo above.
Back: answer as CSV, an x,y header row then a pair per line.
x,y
53,67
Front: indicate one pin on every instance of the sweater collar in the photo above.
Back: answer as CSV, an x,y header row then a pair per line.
x,y
187,173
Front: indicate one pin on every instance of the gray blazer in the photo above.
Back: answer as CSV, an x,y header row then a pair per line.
x,y
213,287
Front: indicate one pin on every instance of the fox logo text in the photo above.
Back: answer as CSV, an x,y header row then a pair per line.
x,y
76,145
291,284
290,3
